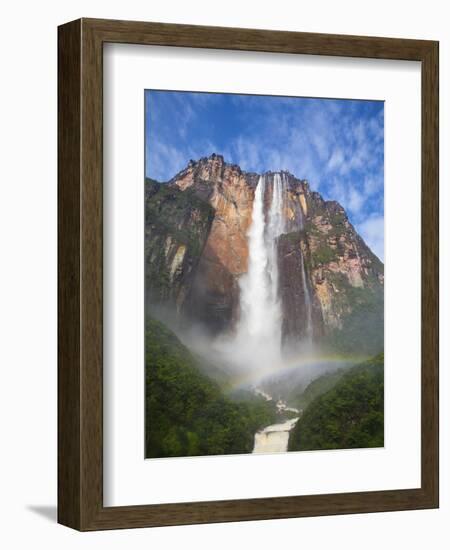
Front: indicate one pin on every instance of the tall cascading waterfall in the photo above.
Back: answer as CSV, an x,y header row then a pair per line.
x,y
276,227
258,332
259,327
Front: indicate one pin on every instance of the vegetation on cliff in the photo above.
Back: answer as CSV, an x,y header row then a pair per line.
x,y
362,318
301,397
177,224
349,415
348,280
186,412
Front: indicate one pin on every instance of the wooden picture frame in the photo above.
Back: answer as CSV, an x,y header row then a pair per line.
x,y
80,272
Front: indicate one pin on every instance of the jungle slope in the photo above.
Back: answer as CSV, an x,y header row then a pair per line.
x,y
350,415
187,414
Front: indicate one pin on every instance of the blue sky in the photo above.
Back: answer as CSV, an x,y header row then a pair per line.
x,y
337,145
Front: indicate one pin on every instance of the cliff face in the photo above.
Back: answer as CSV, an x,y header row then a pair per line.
x,y
197,248
348,279
213,297
177,225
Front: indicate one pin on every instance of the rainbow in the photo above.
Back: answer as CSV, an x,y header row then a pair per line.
x,y
292,364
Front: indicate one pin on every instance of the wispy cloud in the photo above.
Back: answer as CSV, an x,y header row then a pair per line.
x,y
372,231
336,161
338,145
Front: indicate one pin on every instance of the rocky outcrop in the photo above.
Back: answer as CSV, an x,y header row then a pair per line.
x,y
213,297
347,278
197,249
177,225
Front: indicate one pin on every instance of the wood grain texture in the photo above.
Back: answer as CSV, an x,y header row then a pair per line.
x,y
80,242
69,246
430,272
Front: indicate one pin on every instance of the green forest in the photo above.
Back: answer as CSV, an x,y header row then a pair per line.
x,y
349,414
187,413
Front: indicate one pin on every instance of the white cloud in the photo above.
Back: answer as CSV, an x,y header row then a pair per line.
x,y
321,144
352,199
372,231
355,200
373,184
336,161
339,150
163,159
376,126
337,192
246,153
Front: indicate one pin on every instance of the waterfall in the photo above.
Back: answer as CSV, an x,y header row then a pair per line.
x,y
258,332
259,327
308,306
276,226
306,293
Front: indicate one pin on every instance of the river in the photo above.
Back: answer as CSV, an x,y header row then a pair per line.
x,y
274,438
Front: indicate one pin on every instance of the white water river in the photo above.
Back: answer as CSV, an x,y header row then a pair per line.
x,y
274,438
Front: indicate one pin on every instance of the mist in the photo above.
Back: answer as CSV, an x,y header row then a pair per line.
x,y
251,354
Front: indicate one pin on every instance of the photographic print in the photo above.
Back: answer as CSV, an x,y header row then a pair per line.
x,y
264,274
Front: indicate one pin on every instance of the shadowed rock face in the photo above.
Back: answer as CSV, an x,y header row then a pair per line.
x,y
294,284
177,225
197,248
